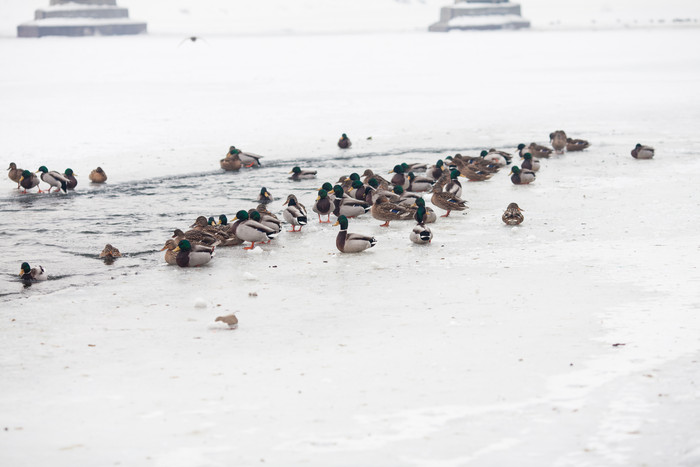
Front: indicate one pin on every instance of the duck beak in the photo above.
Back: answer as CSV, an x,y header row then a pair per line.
x,y
21,273
317,198
164,248
391,171
218,223
21,178
267,194
177,249
336,223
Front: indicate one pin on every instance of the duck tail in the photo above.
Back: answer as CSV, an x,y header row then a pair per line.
x,y
302,220
64,186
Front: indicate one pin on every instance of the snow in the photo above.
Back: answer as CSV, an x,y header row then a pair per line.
x,y
491,346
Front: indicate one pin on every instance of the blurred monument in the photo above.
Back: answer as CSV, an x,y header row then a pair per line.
x,y
480,14
81,18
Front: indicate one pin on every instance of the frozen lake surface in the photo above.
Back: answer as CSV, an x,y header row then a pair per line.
x,y
492,346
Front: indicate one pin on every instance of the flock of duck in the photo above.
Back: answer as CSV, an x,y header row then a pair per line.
x,y
397,199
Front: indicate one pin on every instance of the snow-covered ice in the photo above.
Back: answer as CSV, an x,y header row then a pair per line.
x,y
569,340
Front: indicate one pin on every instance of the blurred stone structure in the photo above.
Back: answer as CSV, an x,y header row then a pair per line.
x,y
480,15
81,18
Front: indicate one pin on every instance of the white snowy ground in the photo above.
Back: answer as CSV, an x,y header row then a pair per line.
x,y
492,346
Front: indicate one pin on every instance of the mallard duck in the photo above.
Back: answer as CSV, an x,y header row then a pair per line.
x,y
521,177
506,155
453,185
558,140
415,167
351,242
226,235
642,152
29,274
435,171
110,252
386,211
265,217
419,184
529,163
28,181
357,190
576,144
537,150
494,158
298,174
474,174
98,176
381,181
231,320
399,177
399,196
170,255
264,197
196,236
14,173
374,191
344,142
231,164
429,218
72,181
420,233
323,206
251,231
191,256
294,213
513,215
344,205
53,179
248,159
444,200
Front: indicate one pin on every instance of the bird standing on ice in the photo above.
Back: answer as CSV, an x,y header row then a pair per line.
x,y
351,242
513,215
344,142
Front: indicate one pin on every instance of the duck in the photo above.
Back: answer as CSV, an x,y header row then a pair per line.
x,y
298,174
537,150
399,177
266,218
453,185
294,213
642,152
98,176
513,215
14,173
382,182
248,159
72,181
231,320
110,252
264,197
386,211
228,238
401,197
445,200
28,181
347,206
344,142
506,155
421,234
419,184
192,256
323,206
347,242
435,171
430,217
231,163
530,163
251,231
170,255
576,144
521,177
30,274
53,179
558,140
415,167
196,236
494,158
